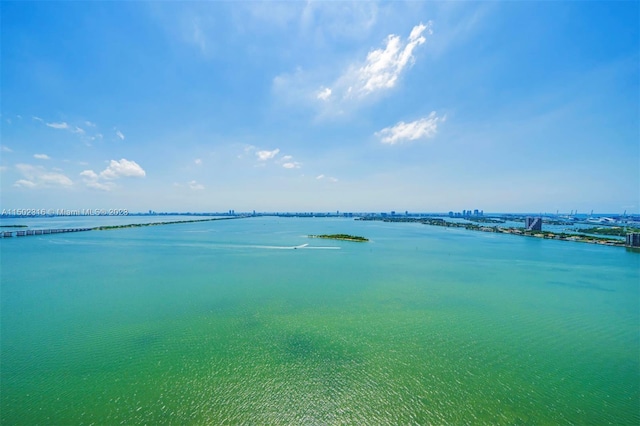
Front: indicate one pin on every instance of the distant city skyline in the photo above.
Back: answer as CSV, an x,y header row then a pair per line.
x,y
516,107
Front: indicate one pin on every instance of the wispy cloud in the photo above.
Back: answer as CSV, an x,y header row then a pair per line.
x,y
196,186
292,165
423,128
102,186
62,125
328,178
38,176
324,94
89,174
57,179
41,156
288,162
363,81
91,180
267,155
23,183
383,67
198,161
119,134
5,149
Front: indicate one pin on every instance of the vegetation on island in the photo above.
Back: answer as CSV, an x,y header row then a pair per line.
x,y
617,231
13,226
136,225
344,237
507,230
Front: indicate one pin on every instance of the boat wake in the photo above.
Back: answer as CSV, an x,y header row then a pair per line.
x,y
300,247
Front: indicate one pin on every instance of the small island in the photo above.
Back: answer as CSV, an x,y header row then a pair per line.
x,y
344,237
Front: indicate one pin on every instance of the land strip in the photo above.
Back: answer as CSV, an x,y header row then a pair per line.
x,y
506,230
343,237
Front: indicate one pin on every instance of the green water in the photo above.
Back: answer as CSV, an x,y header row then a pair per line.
x,y
221,323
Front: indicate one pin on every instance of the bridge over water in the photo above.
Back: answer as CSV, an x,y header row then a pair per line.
x,y
30,232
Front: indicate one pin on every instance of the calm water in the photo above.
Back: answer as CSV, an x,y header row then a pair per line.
x,y
222,323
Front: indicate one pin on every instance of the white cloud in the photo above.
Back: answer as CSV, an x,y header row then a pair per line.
x,y
77,129
56,179
324,94
37,119
383,67
41,156
288,163
89,124
196,186
23,183
89,174
91,179
364,79
198,161
122,168
116,169
267,155
292,165
39,176
3,168
119,134
329,178
423,128
62,125
103,186
27,170
6,149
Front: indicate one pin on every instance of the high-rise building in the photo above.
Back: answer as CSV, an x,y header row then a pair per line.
x,y
533,224
633,239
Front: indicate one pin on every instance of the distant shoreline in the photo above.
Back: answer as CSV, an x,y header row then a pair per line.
x,y
549,235
138,225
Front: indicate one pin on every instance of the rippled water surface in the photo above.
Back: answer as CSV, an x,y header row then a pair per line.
x,y
225,323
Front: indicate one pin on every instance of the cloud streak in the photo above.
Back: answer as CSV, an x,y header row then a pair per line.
x,y
195,186
383,67
38,176
423,128
361,82
62,126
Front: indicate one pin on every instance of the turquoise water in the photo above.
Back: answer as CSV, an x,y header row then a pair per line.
x,y
223,323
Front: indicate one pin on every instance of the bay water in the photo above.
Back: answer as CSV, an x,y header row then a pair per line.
x,y
238,322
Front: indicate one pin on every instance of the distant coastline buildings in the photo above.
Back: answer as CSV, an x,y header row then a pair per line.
x,y
467,213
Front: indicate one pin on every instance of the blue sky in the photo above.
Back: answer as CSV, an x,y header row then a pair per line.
x,y
321,106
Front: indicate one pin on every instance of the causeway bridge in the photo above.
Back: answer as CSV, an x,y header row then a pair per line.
x,y
30,232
